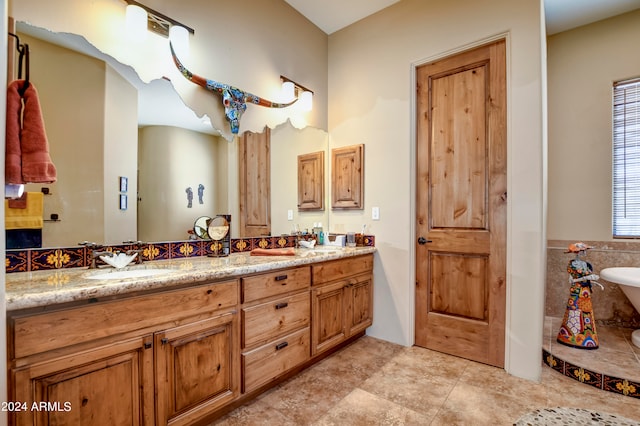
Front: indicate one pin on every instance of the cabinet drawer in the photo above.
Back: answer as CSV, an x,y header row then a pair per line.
x,y
338,269
275,283
268,321
270,361
43,332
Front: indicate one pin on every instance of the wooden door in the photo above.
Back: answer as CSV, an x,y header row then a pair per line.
x,y
109,385
461,205
255,184
197,369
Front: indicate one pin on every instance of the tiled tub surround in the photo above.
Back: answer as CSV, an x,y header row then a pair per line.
x,y
615,365
610,306
52,287
25,260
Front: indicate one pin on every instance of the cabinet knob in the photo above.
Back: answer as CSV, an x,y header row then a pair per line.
x,y
148,345
164,340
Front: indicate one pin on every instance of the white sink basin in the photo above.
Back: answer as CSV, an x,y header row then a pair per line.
x,y
132,273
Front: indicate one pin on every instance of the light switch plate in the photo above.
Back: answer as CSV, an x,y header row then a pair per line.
x,y
375,213
289,214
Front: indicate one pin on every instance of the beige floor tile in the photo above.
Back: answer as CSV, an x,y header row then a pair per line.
x,y
373,382
470,405
410,387
361,408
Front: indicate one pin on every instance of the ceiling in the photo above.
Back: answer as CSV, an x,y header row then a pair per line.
x,y
561,15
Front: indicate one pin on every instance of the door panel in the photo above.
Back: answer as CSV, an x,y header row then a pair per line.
x,y
458,285
461,204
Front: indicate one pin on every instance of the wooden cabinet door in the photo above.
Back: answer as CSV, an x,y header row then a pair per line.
x,y
328,313
347,177
112,385
255,184
197,369
311,181
360,306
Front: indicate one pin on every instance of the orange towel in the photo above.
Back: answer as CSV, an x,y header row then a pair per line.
x,y
27,145
13,155
273,252
18,203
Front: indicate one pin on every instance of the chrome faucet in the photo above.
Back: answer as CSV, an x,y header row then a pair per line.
x,y
139,248
94,252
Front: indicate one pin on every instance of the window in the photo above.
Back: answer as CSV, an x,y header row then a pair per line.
x,y
626,158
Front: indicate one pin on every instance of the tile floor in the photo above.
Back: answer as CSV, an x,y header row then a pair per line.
x,y
373,382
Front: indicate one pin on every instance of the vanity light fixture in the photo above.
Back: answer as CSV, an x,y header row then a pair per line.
x,y
156,22
293,90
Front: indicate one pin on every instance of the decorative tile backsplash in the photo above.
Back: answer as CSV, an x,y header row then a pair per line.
x,y
26,260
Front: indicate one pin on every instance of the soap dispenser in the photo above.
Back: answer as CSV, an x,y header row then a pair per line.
x,y
320,234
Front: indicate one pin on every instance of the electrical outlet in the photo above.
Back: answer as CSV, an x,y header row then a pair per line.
x,y
289,214
375,213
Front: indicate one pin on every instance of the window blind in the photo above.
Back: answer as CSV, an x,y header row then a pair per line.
x,y
626,158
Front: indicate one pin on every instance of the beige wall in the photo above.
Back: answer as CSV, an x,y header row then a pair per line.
x,y
371,101
245,43
287,143
171,160
582,65
120,158
73,114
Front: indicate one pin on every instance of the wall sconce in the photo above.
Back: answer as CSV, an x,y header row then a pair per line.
x,y
141,18
293,90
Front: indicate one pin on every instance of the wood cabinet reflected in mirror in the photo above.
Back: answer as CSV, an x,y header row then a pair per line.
x,y
255,183
311,181
347,177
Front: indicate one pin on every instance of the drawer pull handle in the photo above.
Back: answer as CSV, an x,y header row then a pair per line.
x,y
281,277
282,305
281,345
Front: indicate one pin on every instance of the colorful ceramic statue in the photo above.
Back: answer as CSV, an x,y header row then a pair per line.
x,y
233,99
578,327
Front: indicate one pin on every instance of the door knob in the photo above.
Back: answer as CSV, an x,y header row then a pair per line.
x,y
423,240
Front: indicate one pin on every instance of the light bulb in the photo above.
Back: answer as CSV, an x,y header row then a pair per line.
x,y
179,37
306,101
136,20
288,91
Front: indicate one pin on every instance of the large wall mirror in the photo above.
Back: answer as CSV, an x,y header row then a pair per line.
x,y
103,123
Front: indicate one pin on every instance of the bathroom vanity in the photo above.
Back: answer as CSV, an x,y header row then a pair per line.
x,y
182,347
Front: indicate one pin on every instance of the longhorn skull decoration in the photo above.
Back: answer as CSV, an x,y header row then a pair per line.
x,y
234,100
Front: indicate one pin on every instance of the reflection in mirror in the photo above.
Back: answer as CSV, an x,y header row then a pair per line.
x,y
218,228
200,227
101,125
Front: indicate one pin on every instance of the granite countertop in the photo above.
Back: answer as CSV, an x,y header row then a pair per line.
x,y
45,288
